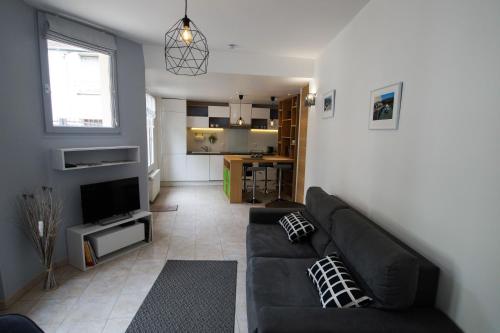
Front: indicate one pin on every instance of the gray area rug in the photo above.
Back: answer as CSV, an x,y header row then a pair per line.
x,y
190,296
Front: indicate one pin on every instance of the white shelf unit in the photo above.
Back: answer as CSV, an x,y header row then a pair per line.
x,y
93,157
75,237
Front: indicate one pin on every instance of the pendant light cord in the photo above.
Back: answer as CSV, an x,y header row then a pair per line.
x,y
185,7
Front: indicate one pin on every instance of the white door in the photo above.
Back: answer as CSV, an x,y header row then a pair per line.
x,y
216,167
198,167
173,133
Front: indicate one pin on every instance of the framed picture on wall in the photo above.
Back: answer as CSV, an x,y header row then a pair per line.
x,y
328,104
385,104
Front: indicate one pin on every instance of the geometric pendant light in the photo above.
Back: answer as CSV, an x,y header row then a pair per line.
x,y
186,48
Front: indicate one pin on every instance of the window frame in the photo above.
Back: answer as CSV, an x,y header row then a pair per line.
x,y
47,99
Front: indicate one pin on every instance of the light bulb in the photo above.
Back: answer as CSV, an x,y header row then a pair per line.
x,y
271,123
240,121
186,35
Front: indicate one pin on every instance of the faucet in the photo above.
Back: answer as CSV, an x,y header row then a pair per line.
x,y
204,148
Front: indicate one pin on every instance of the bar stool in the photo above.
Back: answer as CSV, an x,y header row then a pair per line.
x,y
245,171
266,165
254,170
281,167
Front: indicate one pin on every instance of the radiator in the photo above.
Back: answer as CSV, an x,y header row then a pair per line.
x,y
154,184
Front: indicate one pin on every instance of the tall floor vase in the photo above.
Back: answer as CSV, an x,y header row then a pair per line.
x,y
41,215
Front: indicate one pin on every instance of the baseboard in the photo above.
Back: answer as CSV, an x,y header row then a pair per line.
x,y
194,183
6,303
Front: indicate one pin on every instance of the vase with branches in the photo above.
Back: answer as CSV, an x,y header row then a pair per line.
x,y
41,216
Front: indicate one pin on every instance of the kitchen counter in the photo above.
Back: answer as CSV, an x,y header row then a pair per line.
x,y
233,172
224,153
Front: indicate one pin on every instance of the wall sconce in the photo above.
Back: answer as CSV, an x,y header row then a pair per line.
x,y
310,99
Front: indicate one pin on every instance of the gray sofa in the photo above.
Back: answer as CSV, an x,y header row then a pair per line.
x,y
282,298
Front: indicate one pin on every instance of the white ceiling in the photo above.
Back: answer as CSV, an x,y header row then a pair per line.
x,y
292,28
277,40
220,87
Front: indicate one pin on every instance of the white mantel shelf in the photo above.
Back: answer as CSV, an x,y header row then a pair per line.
x,y
94,157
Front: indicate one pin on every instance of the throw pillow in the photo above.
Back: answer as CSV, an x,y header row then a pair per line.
x,y
296,226
335,285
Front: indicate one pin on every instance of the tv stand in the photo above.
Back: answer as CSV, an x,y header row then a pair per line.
x,y
115,218
77,235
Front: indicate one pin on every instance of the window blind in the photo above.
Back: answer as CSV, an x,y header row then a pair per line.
x,y
65,30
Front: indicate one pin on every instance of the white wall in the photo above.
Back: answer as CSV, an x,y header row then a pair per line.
x,y
435,182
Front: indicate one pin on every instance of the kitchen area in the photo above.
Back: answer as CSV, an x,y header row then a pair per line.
x,y
214,143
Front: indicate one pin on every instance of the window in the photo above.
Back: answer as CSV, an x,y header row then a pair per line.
x,y
151,115
78,73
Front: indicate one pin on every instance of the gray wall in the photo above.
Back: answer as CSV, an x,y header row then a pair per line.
x,y
25,147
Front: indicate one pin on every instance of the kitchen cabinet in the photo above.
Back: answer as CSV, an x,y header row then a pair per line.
x,y
172,130
218,111
200,122
260,113
246,113
173,168
216,167
198,167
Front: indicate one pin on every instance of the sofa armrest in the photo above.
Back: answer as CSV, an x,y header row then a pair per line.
x,y
269,215
360,320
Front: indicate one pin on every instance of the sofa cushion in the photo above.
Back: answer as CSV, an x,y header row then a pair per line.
x,y
270,240
279,282
296,226
387,270
322,205
336,286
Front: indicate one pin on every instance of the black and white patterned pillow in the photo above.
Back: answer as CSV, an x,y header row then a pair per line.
x,y
296,226
335,285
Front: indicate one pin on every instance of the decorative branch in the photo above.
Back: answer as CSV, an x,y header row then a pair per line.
x,y
41,216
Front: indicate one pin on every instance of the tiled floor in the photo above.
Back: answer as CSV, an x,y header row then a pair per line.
x,y
106,298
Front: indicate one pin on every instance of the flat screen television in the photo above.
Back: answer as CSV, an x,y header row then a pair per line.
x,y
102,201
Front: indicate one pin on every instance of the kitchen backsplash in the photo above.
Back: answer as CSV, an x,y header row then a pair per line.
x,y
231,140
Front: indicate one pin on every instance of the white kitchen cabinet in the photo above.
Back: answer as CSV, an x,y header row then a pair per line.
x,y
173,168
216,167
246,113
218,111
198,167
201,122
173,133
173,105
260,113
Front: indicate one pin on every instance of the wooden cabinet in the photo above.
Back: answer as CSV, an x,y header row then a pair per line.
x,y
216,167
246,113
198,167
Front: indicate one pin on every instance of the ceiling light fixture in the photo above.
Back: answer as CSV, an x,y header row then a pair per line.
x,y
240,120
186,48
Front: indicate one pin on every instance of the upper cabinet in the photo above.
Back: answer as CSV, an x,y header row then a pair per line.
x,y
197,122
246,113
218,111
197,111
260,113
173,105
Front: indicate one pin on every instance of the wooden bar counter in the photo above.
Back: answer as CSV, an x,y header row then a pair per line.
x,y
233,172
